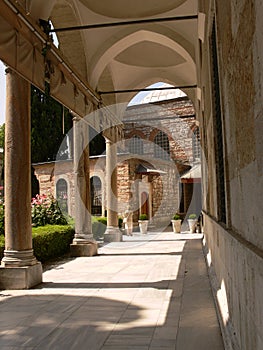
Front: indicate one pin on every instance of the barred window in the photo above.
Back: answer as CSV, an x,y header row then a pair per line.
x,y
96,195
161,146
136,145
196,144
62,195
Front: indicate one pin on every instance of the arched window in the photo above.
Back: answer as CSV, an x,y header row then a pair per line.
x,y
136,145
161,146
196,144
96,195
62,195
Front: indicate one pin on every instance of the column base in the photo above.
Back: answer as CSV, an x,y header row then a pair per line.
x,y
83,249
23,277
112,234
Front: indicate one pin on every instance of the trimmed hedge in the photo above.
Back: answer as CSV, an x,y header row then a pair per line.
x,y
49,242
2,245
53,241
99,225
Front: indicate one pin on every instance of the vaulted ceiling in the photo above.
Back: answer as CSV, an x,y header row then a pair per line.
x,y
128,56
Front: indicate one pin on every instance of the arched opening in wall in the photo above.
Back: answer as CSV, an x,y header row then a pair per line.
x,y
144,203
96,196
62,195
160,92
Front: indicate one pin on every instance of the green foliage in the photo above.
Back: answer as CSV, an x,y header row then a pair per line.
x,y
2,136
99,225
101,219
45,210
2,245
177,217
143,217
51,241
2,219
47,126
192,216
98,230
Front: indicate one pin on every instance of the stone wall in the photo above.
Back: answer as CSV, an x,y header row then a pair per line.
x,y
235,247
49,173
175,118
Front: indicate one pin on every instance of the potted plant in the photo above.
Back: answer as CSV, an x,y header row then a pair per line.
x,y
192,221
176,222
143,223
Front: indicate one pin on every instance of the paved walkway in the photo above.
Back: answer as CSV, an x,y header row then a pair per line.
x,y
149,292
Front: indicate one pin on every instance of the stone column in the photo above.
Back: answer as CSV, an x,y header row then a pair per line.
x,y
83,242
112,233
19,268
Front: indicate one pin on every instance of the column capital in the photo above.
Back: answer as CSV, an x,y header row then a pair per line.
x,y
8,70
108,141
76,118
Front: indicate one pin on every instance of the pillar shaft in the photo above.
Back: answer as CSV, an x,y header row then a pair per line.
x,y
19,268
111,181
112,233
83,226
18,229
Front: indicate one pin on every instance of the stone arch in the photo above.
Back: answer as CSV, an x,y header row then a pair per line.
x,y
135,132
192,129
155,131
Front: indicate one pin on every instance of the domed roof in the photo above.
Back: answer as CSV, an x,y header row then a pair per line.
x,y
162,95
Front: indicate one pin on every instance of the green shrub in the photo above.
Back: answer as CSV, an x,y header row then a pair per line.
x,y
51,241
102,220
143,217
2,219
192,216
45,210
98,230
99,225
2,246
177,217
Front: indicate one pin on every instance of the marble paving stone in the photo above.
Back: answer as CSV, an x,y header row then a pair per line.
x,y
143,293
124,347
165,332
126,329
129,340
